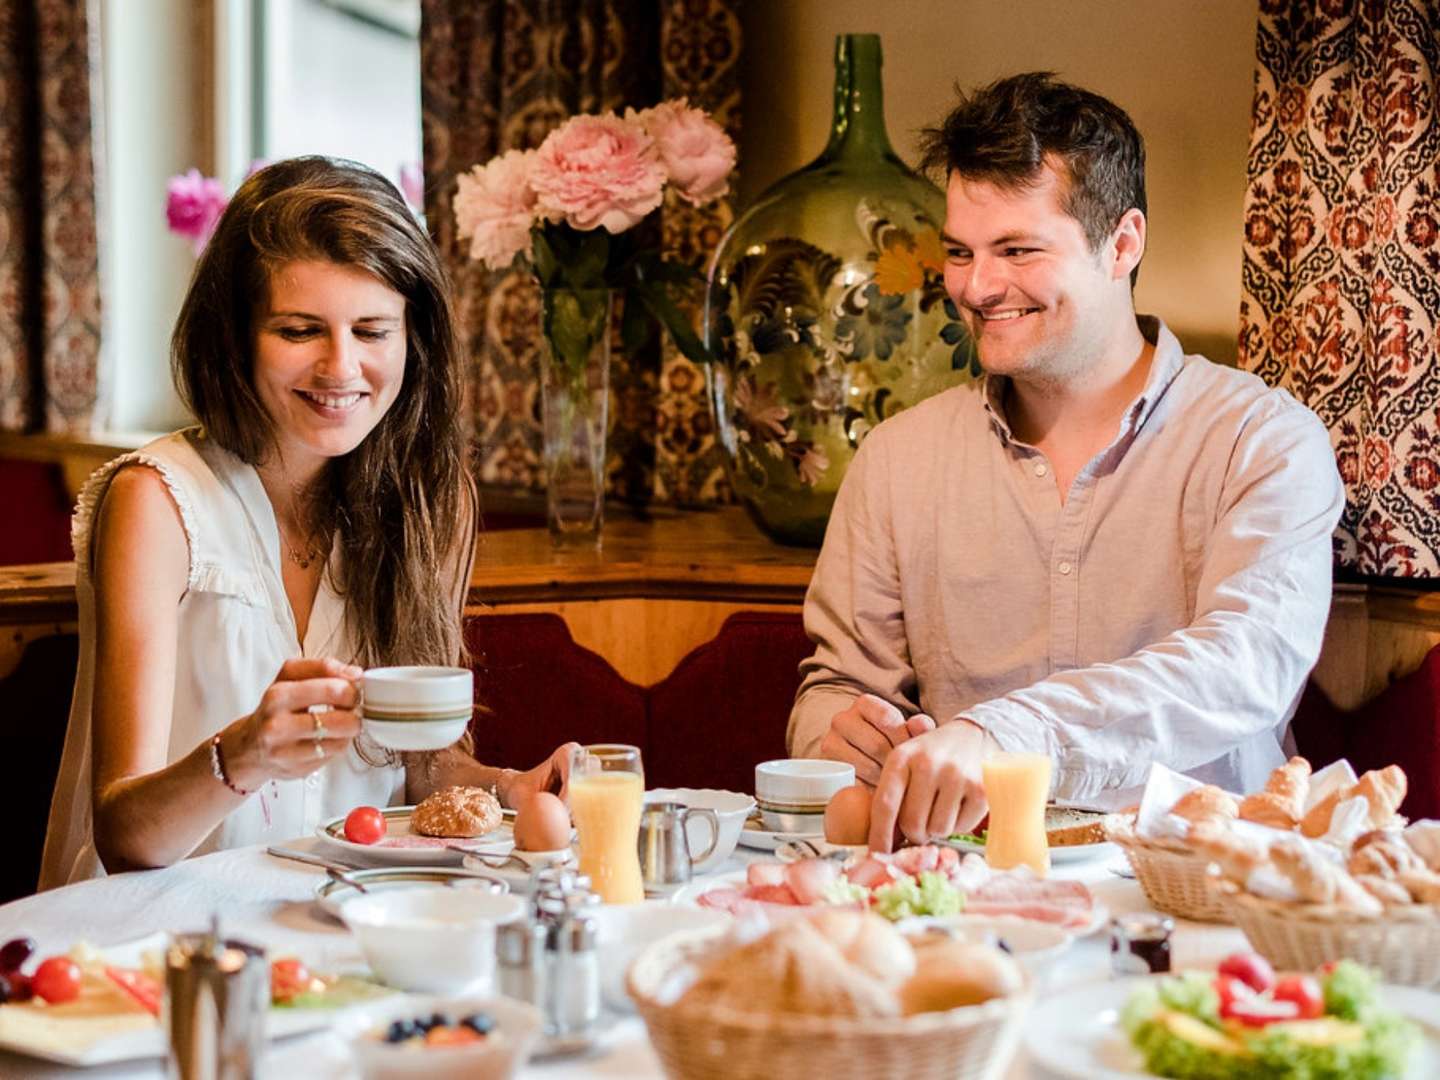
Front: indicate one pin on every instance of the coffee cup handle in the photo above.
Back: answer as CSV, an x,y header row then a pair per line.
x,y
714,820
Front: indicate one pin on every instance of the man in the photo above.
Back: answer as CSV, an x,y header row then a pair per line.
x,y
1110,553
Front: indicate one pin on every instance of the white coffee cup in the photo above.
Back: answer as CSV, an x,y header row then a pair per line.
x,y
417,708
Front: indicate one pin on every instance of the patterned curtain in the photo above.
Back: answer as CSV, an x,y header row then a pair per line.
x,y
1341,288
499,75
49,268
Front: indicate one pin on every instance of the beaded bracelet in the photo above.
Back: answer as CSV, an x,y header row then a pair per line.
x,y
217,766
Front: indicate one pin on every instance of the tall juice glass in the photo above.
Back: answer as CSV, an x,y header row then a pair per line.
x,y
1016,786
607,793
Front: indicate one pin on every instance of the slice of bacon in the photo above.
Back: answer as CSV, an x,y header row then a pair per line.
x,y
872,871
807,878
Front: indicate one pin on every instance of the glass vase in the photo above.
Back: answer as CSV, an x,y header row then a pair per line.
x,y
826,312
575,407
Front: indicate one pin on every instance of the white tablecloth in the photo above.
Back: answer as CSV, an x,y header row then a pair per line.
x,y
271,901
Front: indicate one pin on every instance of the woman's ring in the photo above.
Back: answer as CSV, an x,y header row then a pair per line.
x,y
320,733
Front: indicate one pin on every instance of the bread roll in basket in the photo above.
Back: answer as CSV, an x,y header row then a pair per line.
x,y
705,1041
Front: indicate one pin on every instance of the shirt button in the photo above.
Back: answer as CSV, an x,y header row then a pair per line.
x,y
313,780
1064,568
1040,469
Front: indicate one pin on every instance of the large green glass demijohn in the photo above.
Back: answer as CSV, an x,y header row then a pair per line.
x,y
826,312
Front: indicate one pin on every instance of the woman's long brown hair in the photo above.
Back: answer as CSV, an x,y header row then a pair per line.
x,y
398,498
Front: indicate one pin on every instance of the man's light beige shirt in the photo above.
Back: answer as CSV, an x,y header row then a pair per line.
x,y
1169,610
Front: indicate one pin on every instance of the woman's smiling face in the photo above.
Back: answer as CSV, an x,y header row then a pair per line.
x,y
330,348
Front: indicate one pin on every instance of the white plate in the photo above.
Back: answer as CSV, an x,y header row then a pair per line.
x,y
149,1042
1077,1034
397,823
1059,856
331,893
762,839
691,893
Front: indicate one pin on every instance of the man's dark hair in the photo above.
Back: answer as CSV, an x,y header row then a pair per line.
x,y
1003,133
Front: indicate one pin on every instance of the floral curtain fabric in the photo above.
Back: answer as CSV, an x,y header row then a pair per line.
x,y
49,267
1341,287
499,75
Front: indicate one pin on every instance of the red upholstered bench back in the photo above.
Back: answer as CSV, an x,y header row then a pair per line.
x,y
718,714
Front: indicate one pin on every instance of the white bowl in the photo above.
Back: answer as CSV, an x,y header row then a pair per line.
x,y
731,807
431,940
1036,945
790,821
417,708
625,929
800,784
517,1026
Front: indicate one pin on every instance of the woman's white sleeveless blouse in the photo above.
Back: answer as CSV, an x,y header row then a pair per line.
x,y
236,628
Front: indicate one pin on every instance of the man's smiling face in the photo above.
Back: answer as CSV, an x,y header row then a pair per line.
x,y
1038,301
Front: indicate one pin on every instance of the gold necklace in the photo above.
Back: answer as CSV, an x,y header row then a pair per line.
x,y
302,559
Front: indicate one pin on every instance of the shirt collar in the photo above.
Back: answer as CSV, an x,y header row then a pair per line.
x,y
1166,364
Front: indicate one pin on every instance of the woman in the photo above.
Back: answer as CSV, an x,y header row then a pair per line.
x,y
234,579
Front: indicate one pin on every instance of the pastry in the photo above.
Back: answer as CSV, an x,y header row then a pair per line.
x,y
1424,885
457,812
1204,802
955,973
1238,858
1382,789
1318,880
1387,891
1282,803
1382,854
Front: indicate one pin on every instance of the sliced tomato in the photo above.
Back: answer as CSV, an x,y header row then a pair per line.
x,y
140,985
1304,991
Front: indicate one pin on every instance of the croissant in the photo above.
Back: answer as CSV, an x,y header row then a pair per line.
x,y
1319,881
1384,790
1238,858
1267,808
1383,889
1424,885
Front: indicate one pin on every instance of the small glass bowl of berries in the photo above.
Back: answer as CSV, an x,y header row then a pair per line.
x,y
441,1037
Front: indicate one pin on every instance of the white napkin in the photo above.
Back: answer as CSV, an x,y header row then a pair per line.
x,y
1424,838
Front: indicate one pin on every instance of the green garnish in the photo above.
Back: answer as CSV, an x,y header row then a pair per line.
x,y
928,894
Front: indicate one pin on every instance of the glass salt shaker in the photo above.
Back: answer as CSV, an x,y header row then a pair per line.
x,y
564,906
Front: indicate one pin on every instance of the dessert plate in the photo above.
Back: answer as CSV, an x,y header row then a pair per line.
x,y
1076,1034
133,1035
401,847
754,836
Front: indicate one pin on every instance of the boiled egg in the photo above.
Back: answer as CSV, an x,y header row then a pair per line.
x,y
542,823
847,815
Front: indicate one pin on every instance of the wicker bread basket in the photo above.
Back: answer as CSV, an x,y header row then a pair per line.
x,y
719,1043
1174,878
1403,944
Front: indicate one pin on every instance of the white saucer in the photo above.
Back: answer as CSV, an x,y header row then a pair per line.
x,y
510,872
760,839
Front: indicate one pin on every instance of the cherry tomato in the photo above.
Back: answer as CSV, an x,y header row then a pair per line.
x,y
364,825
1239,1002
288,977
57,980
1250,968
1305,992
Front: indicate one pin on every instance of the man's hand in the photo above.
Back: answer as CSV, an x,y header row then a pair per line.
x,y
864,734
930,786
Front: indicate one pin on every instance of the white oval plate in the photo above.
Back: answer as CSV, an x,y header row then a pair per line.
x,y
514,875
329,894
1076,1034
397,824
1059,856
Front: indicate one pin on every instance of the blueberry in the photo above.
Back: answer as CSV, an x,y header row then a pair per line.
x,y
437,1020
480,1023
15,952
1003,947
398,1031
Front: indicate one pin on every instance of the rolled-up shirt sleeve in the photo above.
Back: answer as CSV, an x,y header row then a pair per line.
x,y
1238,668
853,609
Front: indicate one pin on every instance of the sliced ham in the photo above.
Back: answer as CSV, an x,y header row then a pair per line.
x,y
1066,903
872,871
765,873
413,840
807,878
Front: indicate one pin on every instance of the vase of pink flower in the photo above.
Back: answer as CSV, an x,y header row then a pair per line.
x,y
567,211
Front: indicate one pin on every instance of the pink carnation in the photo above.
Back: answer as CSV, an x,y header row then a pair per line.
x,y
598,171
695,150
495,207
193,205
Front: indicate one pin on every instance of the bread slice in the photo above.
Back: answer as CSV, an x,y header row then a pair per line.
x,y
1065,827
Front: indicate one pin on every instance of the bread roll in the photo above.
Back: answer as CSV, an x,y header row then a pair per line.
x,y
952,973
1202,803
1382,789
869,943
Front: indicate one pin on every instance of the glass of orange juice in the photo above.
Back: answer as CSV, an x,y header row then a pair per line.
x,y
607,793
1016,786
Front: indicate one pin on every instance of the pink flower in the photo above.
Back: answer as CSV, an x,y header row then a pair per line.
x,y
696,152
412,184
495,207
193,205
598,172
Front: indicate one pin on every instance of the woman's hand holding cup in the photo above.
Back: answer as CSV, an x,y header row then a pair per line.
x,y
305,717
